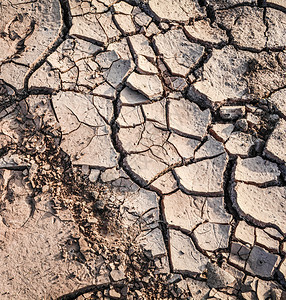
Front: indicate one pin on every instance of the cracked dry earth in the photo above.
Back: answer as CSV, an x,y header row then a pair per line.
x,y
143,149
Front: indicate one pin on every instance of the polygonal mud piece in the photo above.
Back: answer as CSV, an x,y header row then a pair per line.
x,y
123,8
204,177
231,112
125,23
222,76
12,160
211,236
166,183
89,27
210,149
121,48
262,263
105,90
140,46
72,108
87,148
156,112
141,206
153,241
185,258
105,59
239,254
178,53
213,210
131,97
145,165
266,205
218,278
265,241
276,144
45,77
279,100
182,211
239,143
118,71
178,10
142,19
130,116
246,26
202,30
276,31
187,118
199,289
149,85
14,74
245,232
256,170
221,132
144,66
185,146
106,21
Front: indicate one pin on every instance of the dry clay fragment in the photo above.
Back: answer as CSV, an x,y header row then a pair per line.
x,y
177,10
276,144
185,258
179,54
187,118
149,85
256,170
265,205
204,177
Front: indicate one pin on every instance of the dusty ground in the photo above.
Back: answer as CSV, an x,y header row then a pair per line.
x,y
142,149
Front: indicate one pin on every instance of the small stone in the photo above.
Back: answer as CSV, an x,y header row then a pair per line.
x,y
239,254
117,275
94,173
231,112
123,8
241,125
142,19
144,66
114,294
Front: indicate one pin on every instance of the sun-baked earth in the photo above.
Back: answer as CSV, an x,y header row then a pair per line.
x,y
143,149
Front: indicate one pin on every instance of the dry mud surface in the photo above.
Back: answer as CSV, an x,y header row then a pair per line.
x,y
142,149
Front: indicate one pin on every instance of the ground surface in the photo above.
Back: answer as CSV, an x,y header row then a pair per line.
x,y
142,149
